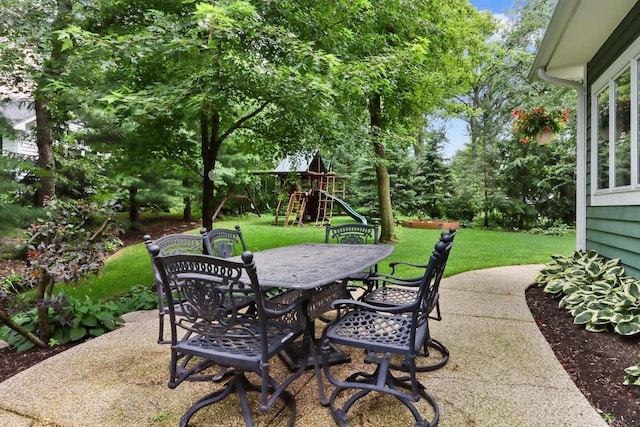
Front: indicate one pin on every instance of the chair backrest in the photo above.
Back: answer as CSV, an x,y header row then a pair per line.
x,y
352,233
203,288
173,244
445,244
430,283
225,243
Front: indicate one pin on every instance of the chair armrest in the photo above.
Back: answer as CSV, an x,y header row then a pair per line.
x,y
298,302
408,264
384,279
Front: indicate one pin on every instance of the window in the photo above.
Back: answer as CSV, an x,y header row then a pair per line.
x,y
615,160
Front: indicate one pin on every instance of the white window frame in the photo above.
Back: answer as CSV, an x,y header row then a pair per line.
x,y
629,194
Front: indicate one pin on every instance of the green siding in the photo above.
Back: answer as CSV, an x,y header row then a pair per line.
x,y
613,231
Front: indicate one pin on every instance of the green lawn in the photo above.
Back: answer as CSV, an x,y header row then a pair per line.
x,y
473,249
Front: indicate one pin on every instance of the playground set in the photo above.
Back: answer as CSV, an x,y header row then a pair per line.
x,y
310,191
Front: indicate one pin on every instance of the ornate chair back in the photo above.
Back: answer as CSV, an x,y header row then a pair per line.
x,y
172,244
352,234
225,243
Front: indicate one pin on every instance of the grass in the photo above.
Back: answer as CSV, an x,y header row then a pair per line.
x,y
473,249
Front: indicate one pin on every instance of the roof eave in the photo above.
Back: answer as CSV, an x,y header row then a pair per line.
x,y
576,31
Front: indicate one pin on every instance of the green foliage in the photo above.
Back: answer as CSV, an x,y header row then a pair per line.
x,y
496,179
632,375
63,247
138,298
70,320
556,229
81,172
13,283
595,291
15,195
597,294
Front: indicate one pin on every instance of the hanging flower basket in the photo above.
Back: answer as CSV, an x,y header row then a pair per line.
x,y
538,124
545,137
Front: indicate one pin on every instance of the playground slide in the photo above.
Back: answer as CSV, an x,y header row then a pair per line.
x,y
348,209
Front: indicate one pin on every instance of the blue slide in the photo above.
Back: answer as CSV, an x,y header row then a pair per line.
x,y
348,209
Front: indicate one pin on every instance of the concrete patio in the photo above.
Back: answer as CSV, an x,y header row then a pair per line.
x,y
501,372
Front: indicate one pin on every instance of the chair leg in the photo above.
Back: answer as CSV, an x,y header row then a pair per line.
x,y
193,373
381,381
161,329
241,385
430,343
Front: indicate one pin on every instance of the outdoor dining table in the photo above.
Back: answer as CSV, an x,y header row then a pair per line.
x,y
317,271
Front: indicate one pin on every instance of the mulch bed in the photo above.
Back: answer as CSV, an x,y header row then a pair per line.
x,y
595,361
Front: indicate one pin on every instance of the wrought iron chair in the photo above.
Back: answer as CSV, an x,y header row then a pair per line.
x,y
398,291
220,242
385,332
225,243
213,332
170,245
355,234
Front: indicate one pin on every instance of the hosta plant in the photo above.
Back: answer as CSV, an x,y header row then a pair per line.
x,y
632,375
70,320
597,294
595,291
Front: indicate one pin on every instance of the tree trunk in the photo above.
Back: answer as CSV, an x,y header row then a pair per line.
x,y
134,209
186,212
485,206
387,232
44,141
52,68
45,282
210,147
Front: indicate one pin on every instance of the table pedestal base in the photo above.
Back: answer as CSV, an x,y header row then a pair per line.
x,y
291,356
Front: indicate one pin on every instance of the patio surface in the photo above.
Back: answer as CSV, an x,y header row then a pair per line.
x,y
501,372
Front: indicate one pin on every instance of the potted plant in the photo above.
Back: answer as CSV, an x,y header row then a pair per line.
x,y
538,124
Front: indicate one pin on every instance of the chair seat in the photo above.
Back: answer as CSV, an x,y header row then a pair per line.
x,y
244,344
391,295
375,331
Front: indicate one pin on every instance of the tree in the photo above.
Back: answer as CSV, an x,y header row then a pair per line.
x,y
33,59
402,60
225,71
507,177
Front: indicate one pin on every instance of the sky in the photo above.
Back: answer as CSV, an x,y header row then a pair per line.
x,y
456,129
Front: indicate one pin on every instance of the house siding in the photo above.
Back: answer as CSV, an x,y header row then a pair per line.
x,y
613,231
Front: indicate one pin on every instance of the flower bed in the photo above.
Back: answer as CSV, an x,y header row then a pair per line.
x,y
430,224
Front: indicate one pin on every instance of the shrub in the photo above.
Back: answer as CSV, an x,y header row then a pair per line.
x,y
64,246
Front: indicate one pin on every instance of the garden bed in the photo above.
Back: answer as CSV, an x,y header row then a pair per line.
x,y
430,224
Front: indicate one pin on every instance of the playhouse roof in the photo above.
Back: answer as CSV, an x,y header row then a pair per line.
x,y
310,161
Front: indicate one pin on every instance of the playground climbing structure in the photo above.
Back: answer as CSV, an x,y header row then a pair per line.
x,y
310,192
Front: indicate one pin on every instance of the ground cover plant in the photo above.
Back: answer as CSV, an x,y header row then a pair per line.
x,y
597,294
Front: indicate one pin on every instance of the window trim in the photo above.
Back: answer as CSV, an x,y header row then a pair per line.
x,y
630,194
